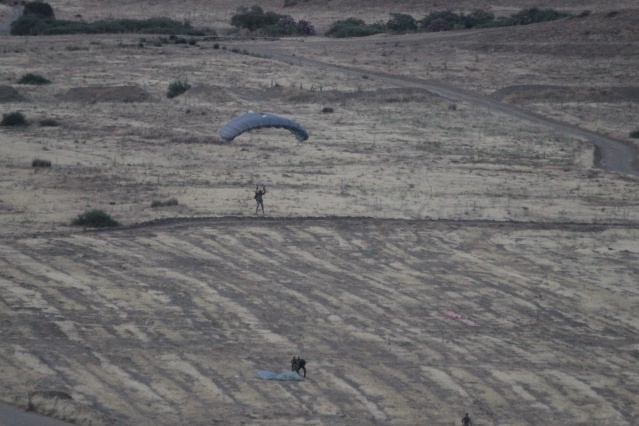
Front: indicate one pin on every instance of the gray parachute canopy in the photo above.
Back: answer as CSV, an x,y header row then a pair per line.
x,y
256,120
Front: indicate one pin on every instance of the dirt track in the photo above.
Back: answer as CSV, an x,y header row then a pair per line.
x,y
614,155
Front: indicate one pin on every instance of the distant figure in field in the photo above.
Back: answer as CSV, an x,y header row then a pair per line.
x,y
466,421
298,364
259,194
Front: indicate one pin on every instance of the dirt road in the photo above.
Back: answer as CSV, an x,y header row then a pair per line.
x,y
613,155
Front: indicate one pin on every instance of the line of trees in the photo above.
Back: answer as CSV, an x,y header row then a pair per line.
x,y
39,19
401,23
270,23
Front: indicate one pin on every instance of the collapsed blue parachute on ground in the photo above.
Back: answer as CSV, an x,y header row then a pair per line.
x,y
285,376
256,120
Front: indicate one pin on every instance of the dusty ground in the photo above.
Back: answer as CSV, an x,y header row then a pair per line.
x,y
401,212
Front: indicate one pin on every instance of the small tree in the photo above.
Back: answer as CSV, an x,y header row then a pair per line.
x,y
534,15
401,23
439,24
39,8
479,18
353,27
305,27
254,18
452,19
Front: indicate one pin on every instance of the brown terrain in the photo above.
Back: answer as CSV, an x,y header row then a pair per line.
x,y
460,234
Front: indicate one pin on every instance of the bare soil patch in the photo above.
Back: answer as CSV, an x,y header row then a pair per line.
x,y
8,94
107,94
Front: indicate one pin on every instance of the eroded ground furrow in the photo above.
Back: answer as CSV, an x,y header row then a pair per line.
x,y
398,321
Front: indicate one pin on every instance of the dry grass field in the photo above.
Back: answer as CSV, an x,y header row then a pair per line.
x,y
428,257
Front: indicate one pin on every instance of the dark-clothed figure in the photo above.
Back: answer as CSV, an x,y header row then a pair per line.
x,y
466,421
259,193
298,364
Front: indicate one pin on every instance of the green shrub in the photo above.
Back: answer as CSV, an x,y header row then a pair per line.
x,y
254,18
438,25
534,15
38,8
15,118
40,163
478,18
49,122
353,27
433,21
177,88
168,203
40,25
401,23
94,219
634,134
34,79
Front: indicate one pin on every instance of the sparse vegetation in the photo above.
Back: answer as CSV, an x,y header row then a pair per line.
x,y
445,20
34,79
13,119
38,162
401,23
534,15
353,27
38,8
42,25
167,203
49,122
254,18
95,219
270,23
176,88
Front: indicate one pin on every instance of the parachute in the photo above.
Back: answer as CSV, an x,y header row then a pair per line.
x,y
285,376
255,120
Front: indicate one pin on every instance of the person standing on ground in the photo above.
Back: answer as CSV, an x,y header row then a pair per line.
x,y
259,194
466,421
298,364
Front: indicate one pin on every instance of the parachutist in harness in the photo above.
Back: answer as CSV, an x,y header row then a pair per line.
x,y
259,193
466,421
298,364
